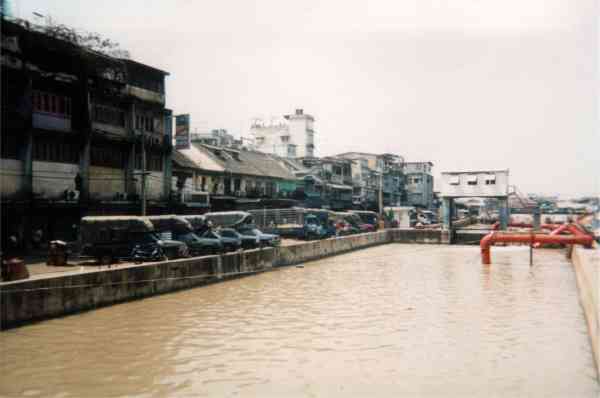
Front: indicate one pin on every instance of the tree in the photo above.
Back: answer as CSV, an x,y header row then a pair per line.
x,y
89,40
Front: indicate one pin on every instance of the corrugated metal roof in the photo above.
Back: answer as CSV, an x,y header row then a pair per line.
x,y
244,162
196,158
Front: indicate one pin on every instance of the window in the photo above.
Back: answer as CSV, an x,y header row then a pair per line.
x,y
108,157
203,183
490,179
9,145
53,151
53,104
454,180
108,115
472,180
146,123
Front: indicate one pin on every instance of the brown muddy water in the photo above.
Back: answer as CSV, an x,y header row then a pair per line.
x,y
395,320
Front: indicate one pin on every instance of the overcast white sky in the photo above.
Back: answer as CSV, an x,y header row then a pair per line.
x,y
466,84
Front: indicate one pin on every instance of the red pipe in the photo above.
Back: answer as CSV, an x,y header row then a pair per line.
x,y
493,237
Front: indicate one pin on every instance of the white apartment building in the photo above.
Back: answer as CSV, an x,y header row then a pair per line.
x,y
293,137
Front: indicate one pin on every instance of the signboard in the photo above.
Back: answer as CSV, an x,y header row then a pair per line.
x,y
182,131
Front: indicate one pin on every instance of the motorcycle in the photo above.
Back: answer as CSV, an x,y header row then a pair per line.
x,y
142,253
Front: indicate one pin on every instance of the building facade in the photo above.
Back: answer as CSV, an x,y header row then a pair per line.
x,y
372,173
217,137
79,130
419,184
292,137
230,175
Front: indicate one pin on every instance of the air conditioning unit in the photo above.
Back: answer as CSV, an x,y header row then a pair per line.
x,y
71,195
119,196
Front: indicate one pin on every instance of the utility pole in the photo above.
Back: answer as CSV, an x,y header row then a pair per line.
x,y
381,193
143,188
143,173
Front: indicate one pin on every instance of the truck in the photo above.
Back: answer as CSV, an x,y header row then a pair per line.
x,y
112,238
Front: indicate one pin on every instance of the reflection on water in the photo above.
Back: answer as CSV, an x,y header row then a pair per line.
x,y
387,321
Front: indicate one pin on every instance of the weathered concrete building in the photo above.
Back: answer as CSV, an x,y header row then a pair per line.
x,y
323,182
217,137
419,184
77,129
292,137
229,174
372,172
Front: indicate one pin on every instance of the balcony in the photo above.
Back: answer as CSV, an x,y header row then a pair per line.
x,y
146,95
49,121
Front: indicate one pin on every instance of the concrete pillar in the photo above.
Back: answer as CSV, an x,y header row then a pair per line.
x,y
447,212
26,157
129,172
504,213
537,218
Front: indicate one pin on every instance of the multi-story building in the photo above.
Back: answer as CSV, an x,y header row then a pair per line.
x,y
291,137
322,182
80,131
419,184
372,173
217,137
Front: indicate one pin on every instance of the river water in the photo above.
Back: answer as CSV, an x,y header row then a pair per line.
x,y
387,321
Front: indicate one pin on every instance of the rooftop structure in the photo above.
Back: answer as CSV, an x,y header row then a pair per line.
x,y
291,137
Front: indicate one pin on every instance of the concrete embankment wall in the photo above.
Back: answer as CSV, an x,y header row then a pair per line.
x,y
52,296
26,301
586,263
307,251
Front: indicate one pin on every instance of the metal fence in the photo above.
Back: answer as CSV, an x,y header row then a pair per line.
x,y
277,217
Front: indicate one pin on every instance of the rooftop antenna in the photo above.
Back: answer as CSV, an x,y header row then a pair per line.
x,y
39,18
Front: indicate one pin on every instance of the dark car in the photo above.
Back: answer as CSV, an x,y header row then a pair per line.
x,y
247,241
264,239
201,245
230,238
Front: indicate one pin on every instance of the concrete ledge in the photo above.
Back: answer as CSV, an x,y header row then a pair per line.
x,y
586,263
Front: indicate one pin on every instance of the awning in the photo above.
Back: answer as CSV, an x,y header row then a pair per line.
x,y
340,187
311,177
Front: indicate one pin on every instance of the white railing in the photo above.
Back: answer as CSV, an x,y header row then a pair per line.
x,y
277,217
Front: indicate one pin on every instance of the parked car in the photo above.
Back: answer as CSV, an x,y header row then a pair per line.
x,y
110,238
201,245
325,218
368,217
230,238
264,239
313,229
356,222
344,228
247,241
